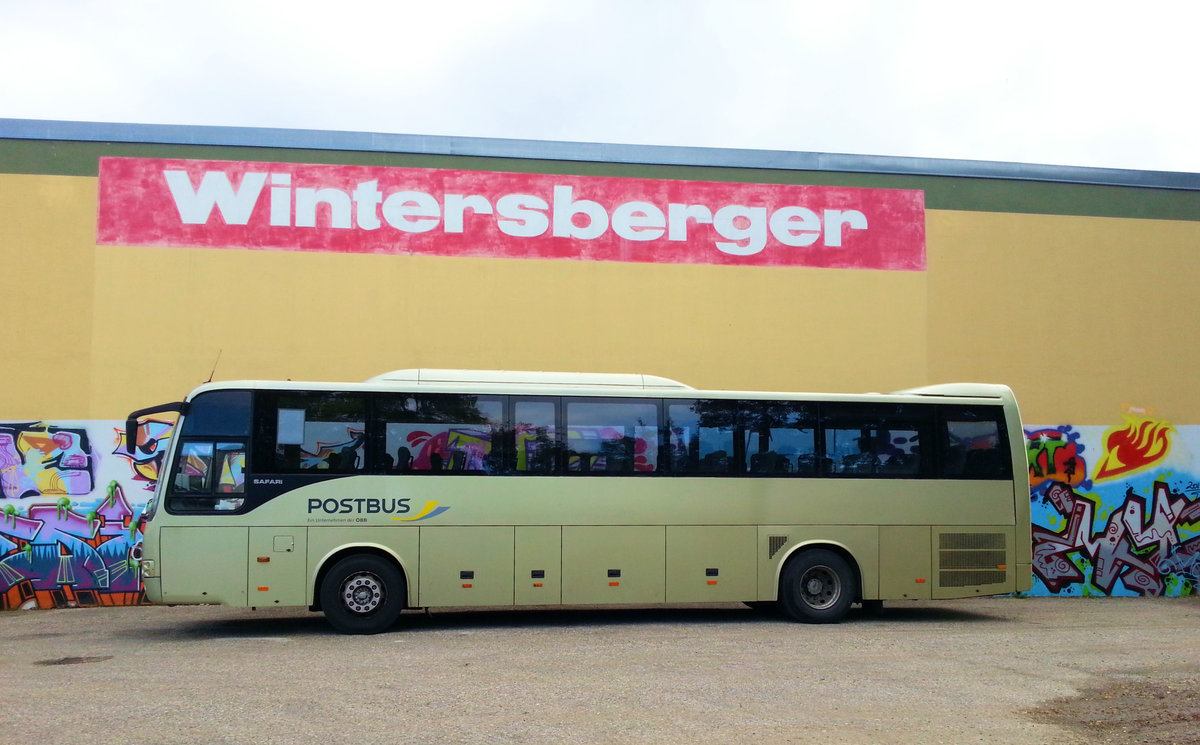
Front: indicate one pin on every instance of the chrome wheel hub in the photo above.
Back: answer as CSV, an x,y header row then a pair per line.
x,y
820,588
362,593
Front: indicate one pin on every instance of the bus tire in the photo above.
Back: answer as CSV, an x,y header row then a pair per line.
x,y
363,594
817,586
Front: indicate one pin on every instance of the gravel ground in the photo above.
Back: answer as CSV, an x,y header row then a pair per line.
x,y
998,671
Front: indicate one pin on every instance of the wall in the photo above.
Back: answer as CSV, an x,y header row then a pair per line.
x,y
1079,314
68,515
1081,297
320,315
1082,315
48,256
1116,510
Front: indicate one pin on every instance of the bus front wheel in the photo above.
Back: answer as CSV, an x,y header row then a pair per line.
x,y
363,594
817,586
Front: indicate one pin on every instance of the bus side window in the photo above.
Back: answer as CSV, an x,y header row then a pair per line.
x,y
442,433
209,476
193,468
231,468
536,435
700,437
972,445
779,437
877,440
612,436
317,433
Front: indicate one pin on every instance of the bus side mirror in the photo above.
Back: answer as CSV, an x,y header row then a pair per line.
x,y
131,426
131,421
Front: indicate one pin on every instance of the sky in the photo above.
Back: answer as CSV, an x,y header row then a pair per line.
x,y
1100,83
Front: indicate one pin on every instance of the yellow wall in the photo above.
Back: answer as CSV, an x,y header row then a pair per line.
x,y
1080,315
47,258
1083,316
332,317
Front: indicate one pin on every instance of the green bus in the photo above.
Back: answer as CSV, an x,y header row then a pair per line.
x,y
460,488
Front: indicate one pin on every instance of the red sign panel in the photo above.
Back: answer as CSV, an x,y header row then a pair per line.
x,y
441,212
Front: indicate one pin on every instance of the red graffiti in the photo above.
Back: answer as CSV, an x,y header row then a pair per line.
x,y
1141,444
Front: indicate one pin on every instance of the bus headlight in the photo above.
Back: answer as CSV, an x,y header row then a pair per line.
x,y
149,569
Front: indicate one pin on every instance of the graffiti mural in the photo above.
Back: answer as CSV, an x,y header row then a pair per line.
x,y
153,436
1139,445
1115,510
38,459
1133,527
68,517
1054,457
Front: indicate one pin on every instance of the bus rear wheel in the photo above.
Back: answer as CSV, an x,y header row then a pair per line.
x,y
817,586
363,594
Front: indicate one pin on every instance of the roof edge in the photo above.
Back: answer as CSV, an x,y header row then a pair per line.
x,y
491,147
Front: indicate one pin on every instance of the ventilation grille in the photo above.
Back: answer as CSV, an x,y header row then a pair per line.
x,y
774,543
966,559
966,579
971,559
971,541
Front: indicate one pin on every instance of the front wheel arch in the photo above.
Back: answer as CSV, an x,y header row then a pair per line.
x,y
333,557
362,593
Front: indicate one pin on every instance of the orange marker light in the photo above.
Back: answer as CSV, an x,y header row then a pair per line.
x,y
263,589
264,559
712,582
466,585
537,584
1002,566
613,584
920,580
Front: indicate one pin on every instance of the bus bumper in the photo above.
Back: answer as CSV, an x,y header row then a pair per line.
x,y
153,588
1024,577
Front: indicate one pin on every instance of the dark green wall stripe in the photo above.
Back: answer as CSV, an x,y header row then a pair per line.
x,y
80,158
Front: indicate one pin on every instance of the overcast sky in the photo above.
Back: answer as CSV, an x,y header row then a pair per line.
x,y
1110,84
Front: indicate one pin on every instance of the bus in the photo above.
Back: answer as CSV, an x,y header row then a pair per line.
x,y
424,489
